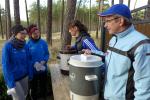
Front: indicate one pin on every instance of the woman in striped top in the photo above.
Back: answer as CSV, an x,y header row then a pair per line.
x,y
83,39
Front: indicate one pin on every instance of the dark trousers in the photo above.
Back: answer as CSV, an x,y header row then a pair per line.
x,y
101,90
38,86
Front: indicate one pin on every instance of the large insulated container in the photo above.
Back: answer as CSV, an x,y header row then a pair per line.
x,y
64,57
85,77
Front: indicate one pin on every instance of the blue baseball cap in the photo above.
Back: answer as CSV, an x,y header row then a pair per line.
x,y
119,9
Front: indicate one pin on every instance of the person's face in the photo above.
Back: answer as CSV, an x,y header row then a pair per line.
x,y
112,24
73,31
36,34
21,35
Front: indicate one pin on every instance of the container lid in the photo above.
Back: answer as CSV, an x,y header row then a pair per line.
x,y
68,52
85,61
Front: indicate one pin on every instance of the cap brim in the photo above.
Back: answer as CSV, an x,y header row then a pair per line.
x,y
106,13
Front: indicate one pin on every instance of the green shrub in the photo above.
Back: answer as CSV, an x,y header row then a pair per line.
x,y
3,89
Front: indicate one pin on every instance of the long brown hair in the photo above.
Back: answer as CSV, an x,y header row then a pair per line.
x,y
81,27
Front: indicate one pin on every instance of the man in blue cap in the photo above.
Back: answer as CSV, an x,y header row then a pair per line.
x,y
127,68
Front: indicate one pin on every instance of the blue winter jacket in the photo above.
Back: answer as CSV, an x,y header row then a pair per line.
x,y
118,67
39,52
15,64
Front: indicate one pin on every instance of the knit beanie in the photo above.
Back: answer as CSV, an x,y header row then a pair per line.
x,y
16,29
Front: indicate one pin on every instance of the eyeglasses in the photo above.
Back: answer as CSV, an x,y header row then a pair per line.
x,y
109,20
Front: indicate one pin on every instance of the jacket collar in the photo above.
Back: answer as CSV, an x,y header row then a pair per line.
x,y
126,32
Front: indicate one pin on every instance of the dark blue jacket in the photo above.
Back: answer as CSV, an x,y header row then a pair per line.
x,y
15,64
39,52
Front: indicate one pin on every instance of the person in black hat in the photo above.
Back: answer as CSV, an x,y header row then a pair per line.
x,y
16,64
128,56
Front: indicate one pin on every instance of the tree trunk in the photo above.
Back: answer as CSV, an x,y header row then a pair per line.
x,y
7,5
1,24
38,11
112,2
129,1
102,29
6,25
77,9
147,13
135,4
90,17
49,22
97,28
27,13
101,10
98,20
70,11
62,18
16,12
120,1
